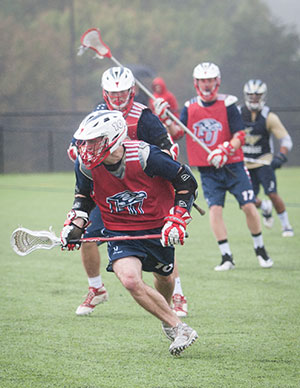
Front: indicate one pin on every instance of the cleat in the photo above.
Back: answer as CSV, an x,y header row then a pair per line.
x,y
266,207
94,297
179,305
185,337
264,260
227,263
170,332
288,232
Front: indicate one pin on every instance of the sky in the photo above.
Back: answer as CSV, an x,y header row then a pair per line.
x,y
286,11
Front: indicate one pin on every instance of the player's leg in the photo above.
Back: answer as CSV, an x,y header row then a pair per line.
x,y
214,193
90,257
243,192
129,272
179,302
219,229
287,230
264,205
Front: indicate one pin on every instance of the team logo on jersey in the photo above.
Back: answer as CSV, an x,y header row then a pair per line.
x,y
127,200
207,130
251,139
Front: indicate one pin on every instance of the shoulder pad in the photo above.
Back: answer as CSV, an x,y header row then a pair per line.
x,y
144,151
187,103
265,111
230,100
84,170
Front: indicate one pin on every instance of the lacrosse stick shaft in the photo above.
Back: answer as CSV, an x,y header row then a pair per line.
x,y
115,238
259,161
107,53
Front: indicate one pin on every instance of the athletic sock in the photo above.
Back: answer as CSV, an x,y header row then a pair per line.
x,y
177,287
258,240
95,282
224,247
284,219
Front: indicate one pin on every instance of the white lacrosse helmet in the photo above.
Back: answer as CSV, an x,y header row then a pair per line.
x,y
100,134
255,93
118,85
207,70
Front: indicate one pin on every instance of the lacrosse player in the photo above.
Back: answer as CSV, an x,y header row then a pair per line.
x,y
118,88
128,180
215,119
261,125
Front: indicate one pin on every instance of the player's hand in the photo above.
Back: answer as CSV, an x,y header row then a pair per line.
x,y
278,160
219,156
160,108
174,230
74,229
72,152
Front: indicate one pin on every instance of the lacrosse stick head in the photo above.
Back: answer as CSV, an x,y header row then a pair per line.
x,y
25,241
92,39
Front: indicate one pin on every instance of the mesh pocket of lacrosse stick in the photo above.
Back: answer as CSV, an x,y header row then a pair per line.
x,y
24,241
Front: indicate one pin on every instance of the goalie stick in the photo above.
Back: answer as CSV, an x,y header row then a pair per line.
x,y
25,241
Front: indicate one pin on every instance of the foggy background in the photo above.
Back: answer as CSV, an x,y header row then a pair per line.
x,y
46,89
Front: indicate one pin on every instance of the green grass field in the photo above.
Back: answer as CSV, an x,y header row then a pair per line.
x,y
248,320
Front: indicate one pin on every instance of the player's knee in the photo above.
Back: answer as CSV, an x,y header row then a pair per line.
x,y
130,282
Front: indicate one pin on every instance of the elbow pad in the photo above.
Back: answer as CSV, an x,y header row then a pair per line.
x,y
286,142
185,181
83,204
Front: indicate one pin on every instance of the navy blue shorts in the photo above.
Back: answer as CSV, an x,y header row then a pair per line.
x,y
264,176
97,227
216,182
153,256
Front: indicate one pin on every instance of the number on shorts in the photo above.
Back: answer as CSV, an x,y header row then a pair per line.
x,y
164,268
248,195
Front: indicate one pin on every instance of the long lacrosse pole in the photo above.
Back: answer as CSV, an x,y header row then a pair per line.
x,y
92,39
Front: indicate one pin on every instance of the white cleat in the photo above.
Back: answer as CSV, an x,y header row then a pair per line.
x,y
94,297
169,332
288,232
179,305
227,263
264,260
185,337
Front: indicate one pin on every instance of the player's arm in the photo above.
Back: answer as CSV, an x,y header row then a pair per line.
x,y
185,186
276,128
151,130
160,109
78,218
219,156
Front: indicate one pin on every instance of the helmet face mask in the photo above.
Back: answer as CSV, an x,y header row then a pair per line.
x,y
99,135
207,80
118,85
255,93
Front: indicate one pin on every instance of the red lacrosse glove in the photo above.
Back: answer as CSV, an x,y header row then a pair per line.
x,y
174,230
160,108
71,231
219,156
72,152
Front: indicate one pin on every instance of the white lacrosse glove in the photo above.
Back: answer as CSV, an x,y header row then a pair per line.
x,y
219,156
160,108
174,230
71,231
72,152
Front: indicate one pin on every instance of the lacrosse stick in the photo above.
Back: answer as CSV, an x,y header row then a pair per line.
x,y
25,241
92,39
259,161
